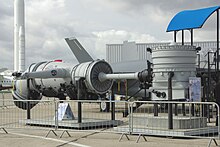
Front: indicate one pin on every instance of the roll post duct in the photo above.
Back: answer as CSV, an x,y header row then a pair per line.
x,y
170,113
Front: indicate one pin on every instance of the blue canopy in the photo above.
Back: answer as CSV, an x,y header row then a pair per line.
x,y
190,19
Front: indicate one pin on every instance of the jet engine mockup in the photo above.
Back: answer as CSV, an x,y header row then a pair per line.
x,y
59,79
56,79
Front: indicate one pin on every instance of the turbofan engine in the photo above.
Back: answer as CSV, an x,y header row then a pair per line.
x,y
58,79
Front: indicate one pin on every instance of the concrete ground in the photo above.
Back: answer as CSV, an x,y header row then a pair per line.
x,y
23,138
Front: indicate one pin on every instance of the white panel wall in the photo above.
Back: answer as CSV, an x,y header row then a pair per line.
x,y
113,53
137,52
129,51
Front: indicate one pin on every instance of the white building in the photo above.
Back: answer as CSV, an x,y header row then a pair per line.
x,y
132,57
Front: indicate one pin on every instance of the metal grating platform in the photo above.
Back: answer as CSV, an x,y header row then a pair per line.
x,y
167,132
87,123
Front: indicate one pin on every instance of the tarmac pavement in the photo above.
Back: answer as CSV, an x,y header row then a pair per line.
x,y
28,138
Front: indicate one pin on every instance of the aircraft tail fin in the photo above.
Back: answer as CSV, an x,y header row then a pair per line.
x,y
78,50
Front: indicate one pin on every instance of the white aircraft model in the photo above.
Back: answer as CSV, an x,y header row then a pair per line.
x,y
6,80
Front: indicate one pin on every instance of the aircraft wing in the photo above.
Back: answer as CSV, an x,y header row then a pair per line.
x,y
78,50
5,87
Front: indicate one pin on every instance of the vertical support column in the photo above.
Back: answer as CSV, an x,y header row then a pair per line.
x,y
193,110
205,95
28,100
145,90
198,61
182,37
183,109
176,110
208,87
155,109
113,105
217,97
79,112
79,86
175,32
217,119
170,111
209,78
191,31
217,45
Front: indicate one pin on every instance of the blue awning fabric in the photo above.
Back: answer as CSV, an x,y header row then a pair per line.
x,y
190,19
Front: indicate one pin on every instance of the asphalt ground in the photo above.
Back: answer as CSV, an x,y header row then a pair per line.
x,y
23,138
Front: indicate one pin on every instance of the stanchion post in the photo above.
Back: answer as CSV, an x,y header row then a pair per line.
x,y
56,114
3,99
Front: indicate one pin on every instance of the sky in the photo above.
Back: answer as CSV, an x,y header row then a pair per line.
x,y
94,23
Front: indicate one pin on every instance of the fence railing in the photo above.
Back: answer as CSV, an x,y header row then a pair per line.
x,y
184,119
4,97
187,119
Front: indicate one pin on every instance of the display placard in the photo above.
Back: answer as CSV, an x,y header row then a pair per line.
x,y
195,89
64,112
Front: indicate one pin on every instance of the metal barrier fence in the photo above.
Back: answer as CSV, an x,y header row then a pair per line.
x,y
185,119
16,118
93,117
4,97
54,115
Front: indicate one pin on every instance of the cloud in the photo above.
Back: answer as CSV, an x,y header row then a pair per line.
x,y
118,36
94,22
48,23
166,6
5,9
160,11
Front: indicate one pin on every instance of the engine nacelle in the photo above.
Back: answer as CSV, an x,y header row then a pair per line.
x,y
55,79
20,93
50,87
58,79
90,72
